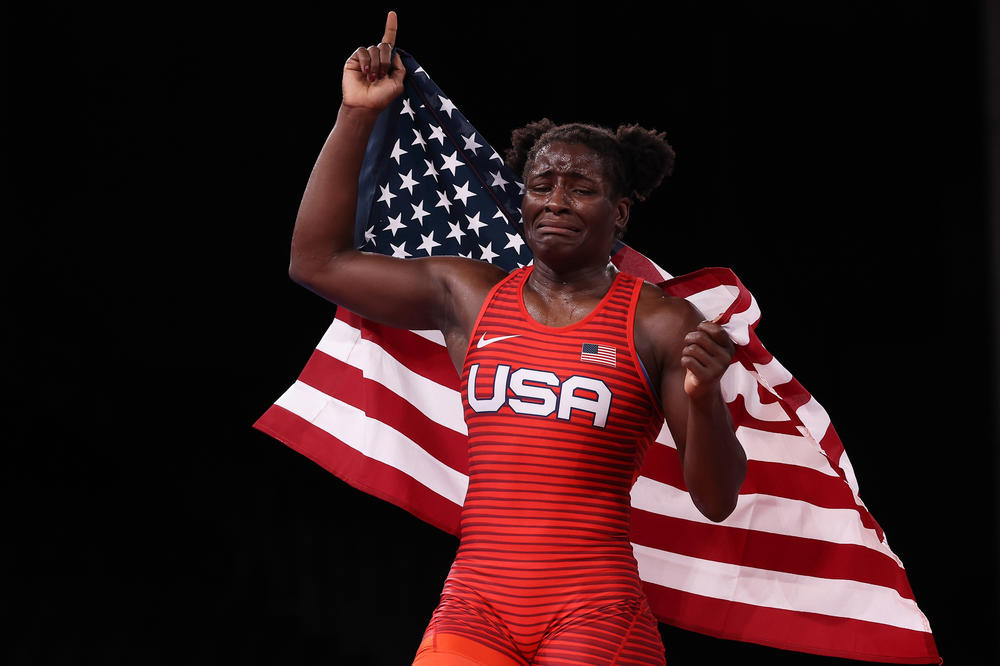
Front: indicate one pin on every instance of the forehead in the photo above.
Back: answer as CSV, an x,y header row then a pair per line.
x,y
568,158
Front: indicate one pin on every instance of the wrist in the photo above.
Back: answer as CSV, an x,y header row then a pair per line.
x,y
358,115
707,399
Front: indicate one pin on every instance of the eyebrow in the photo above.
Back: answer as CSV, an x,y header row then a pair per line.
x,y
571,174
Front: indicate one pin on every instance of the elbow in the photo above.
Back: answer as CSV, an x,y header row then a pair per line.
x,y
717,511
309,271
298,272
720,504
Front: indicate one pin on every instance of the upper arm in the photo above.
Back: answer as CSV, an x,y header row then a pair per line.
x,y
662,323
423,293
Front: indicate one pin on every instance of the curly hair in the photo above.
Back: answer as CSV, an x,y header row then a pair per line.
x,y
637,159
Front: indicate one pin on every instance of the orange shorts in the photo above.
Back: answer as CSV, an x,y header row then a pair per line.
x,y
438,649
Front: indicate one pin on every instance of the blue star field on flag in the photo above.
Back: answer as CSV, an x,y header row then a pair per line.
x,y
431,185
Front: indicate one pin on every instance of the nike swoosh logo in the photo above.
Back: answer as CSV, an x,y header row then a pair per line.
x,y
483,341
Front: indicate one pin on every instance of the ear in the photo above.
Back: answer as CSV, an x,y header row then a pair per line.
x,y
622,209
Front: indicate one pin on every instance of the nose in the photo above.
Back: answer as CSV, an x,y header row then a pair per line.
x,y
556,201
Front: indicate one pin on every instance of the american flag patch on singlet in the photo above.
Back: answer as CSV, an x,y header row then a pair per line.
x,y
593,353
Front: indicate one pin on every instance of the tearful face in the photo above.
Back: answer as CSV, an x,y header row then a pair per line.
x,y
568,210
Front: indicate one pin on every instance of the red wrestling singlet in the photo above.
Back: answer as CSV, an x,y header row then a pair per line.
x,y
559,420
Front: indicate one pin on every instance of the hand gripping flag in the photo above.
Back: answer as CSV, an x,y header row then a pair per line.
x,y
800,565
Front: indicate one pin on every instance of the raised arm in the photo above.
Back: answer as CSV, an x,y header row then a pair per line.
x,y
412,293
691,355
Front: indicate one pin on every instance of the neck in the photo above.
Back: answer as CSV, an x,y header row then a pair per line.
x,y
581,281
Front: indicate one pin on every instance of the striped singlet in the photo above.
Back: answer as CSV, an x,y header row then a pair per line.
x,y
559,420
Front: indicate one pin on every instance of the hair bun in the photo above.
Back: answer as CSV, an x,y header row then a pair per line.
x,y
521,142
649,158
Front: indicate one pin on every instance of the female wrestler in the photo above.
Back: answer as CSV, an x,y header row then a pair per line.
x,y
568,369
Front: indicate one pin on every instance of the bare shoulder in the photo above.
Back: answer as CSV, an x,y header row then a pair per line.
x,y
658,308
661,322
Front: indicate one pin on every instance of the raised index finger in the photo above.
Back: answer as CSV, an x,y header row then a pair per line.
x,y
389,36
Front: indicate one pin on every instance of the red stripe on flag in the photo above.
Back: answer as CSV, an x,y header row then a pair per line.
x,y
743,418
347,384
635,263
690,284
662,464
766,550
364,473
427,359
793,393
792,630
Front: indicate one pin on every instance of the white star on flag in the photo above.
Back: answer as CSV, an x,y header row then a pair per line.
x,y
470,143
397,152
407,109
431,171
498,180
399,251
418,212
446,105
418,139
488,253
451,162
428,243
462,193
408,181
443,201
456,231
387,196
437,133
395,223
515,241
474,224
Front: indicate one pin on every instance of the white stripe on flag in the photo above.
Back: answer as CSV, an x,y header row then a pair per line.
x,y
775,589
715,300
739,323
785,449
764,513
771,447
814,418
433,336
852,480
437,402
374,439
773,374
739,380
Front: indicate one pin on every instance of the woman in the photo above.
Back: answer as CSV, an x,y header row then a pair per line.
x,y
568,369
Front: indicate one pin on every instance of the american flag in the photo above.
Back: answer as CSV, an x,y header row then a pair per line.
x,y
594,353
800,564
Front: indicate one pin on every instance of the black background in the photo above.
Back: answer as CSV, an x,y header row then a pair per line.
x,y
834,154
